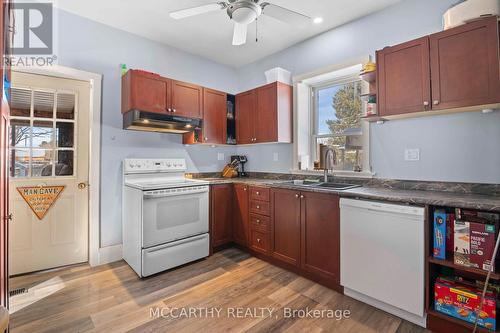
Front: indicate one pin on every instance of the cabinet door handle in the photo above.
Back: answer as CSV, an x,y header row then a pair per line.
x,y
258,207
257,193
302,196
205,138
174,110
436,102
258,221
169,110
426,103
258,240
244,188
296,195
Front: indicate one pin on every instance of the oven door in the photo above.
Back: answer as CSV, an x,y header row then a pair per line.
x,y
173,214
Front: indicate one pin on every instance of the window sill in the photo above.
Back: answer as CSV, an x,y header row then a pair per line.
x,y
343,174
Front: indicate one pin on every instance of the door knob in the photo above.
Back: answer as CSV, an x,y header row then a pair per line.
x,y
82,185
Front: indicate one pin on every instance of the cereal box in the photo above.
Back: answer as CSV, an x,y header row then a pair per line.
x,y
462,302
439,250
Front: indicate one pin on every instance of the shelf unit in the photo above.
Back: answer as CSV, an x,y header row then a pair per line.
x,y
371,79
436,321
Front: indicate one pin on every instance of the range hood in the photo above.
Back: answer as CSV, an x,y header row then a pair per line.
x,y
157,122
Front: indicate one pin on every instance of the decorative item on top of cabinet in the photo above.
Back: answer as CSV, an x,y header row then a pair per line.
x,y
264,114
221,200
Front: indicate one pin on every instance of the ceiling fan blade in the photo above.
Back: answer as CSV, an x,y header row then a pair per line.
x,y
284,15
240,34
183,13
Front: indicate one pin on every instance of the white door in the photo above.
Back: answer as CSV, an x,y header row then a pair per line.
x,y
49,146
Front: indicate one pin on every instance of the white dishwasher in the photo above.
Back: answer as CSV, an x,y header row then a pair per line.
x,y
382,256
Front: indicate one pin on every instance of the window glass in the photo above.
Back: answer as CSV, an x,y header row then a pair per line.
x,y
338,111
19,163
20,133
43,134
64,134
64,166
41,162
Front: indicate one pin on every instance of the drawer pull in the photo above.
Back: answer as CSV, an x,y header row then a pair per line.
x,y
258,193
258,221
258,207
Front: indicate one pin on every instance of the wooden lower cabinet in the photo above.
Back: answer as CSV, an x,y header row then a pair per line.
x,y
221,212
285,226
320,235
240,214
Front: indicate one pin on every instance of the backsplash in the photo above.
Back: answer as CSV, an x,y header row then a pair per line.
x,y
473,188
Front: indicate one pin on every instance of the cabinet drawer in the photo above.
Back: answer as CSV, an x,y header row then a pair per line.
x,y
259,240
259,222
260,207
259,193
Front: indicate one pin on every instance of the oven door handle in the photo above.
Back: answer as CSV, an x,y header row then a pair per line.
x,y
177,242
172,194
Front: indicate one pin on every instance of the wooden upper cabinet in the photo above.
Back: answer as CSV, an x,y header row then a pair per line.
x,y
465,65
214,116
264,114
245,114
403,78
320,244
240,214
221,214
145,92
285,225
187,99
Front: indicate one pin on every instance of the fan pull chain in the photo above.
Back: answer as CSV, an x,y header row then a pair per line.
x,y
256,30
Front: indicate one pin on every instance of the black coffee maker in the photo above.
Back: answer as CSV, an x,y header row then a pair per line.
x,y
242,159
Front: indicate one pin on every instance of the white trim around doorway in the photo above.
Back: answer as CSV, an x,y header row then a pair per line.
x,y
95,81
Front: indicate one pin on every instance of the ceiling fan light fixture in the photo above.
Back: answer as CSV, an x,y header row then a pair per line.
x,y
244,12
318,20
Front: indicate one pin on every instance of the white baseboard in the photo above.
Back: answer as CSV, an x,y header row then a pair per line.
x,y
110,254
420,321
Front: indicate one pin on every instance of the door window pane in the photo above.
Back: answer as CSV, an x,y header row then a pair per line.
x,y
43,134
19,163
20,133
43,104
65,134
65,106
41,163
20,104
64,166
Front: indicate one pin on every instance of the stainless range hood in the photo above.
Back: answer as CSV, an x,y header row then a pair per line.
x,y
157,122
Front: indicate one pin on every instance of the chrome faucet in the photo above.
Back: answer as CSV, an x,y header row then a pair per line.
x,y
329,162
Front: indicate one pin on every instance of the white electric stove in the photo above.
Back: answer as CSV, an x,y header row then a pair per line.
x,y
164,215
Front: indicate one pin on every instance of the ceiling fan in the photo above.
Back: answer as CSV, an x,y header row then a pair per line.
x,y
244,12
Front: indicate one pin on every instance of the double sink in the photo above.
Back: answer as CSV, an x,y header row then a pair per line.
x,y
317,184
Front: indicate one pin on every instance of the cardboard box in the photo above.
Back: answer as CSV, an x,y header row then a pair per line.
x,y
439,249
462,301
461,239
450,226
482,244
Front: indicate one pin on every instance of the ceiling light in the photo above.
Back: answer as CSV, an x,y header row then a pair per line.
x,y
318,20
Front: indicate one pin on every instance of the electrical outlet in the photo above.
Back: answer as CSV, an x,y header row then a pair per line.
x,y
275,157
220,156
412,154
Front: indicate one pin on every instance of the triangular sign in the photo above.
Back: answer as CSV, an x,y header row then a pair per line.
x,y
40,198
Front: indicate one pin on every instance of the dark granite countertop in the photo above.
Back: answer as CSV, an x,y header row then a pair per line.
x,y
415,197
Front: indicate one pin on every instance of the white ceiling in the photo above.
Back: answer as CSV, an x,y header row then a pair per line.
x,y
210,35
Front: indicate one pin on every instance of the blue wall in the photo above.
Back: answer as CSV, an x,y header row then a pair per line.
x,y
94,47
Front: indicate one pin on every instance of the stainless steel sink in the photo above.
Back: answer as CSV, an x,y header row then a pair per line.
x,y
302,182
337,186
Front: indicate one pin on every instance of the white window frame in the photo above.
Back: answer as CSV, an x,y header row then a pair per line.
x,y
305,134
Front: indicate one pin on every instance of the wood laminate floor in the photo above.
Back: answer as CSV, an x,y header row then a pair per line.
x,y
111,298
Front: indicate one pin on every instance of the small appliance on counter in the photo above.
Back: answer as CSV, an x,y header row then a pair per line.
x,y
242,159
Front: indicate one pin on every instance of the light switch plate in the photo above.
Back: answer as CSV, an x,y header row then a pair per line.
x,y
412,154
275,157
220,156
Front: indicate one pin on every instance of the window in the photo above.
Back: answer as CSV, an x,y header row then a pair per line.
x,y
329,114
42,135
337,123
